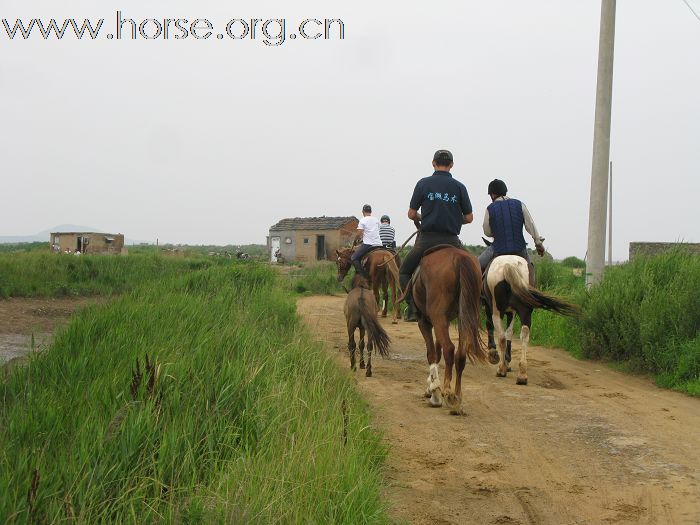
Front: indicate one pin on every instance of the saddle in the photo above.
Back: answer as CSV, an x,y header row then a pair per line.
x,y
372,249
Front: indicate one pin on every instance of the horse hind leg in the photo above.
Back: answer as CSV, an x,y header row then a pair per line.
x,y
433,391
500,343
351,348
453,398
526,319
510,321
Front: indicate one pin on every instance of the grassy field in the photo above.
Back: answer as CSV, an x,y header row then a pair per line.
x,y
42,274
193,398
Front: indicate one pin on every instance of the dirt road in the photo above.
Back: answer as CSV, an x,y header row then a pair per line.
x,y
581,444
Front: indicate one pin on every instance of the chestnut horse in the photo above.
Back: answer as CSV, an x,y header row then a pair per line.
x,y
447,285
507,291
361,312
383,274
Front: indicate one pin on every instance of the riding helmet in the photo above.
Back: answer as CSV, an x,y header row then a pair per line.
x,y
497,187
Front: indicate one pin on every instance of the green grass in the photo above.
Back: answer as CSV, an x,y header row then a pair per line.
x,y
42,274
246,420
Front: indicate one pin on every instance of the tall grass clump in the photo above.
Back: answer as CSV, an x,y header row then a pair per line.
x,y
37,274
195,399
647,314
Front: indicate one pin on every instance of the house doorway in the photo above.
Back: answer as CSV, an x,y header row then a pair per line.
x,y
274,248
320,247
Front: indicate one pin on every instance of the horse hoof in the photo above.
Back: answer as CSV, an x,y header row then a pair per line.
x,y
368,373
383,315
362,366
394,322
457,412
521,381
510,369
501,374
493,357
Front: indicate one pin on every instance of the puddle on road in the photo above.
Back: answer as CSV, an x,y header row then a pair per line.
x,y
17,345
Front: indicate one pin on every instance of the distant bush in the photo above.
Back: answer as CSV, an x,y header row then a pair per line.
x,y
573,262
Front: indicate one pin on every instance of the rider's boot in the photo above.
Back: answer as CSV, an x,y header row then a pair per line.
x,y
357,263
410,315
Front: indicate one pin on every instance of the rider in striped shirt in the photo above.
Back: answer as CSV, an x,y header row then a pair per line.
x,y
387,233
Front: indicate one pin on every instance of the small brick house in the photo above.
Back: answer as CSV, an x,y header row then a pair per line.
x,y
87,242
307,239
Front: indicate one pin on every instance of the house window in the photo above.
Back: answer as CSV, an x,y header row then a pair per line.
x,y
306,240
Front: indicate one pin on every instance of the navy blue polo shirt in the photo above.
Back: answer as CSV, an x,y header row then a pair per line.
x,y
444,202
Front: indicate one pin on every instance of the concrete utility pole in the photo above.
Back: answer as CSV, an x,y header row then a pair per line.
x,y
595,259
610,217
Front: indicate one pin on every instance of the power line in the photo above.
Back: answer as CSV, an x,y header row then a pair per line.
x,y
691,9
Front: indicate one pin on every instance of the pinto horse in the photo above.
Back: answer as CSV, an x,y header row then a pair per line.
x,y
447,285
507,291
361,312
383,274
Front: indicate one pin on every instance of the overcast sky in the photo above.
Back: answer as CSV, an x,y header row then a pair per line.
x,y
213,141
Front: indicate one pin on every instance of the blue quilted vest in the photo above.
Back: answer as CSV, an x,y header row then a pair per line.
x,y
506,221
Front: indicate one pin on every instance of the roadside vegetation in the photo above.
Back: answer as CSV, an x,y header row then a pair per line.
x,y
193,398
645,315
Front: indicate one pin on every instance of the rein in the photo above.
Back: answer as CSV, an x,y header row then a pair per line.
x,y
399,250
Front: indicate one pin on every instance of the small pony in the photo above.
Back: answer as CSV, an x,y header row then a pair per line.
x,y
507,291
361,312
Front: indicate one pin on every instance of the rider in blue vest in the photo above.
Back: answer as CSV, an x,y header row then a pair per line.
x,y
504,221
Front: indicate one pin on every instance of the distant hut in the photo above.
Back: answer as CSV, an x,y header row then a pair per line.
x,y
307,239
87,242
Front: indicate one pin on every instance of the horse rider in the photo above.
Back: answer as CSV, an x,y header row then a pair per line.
x,y
387,233
504,220
368,229
445,207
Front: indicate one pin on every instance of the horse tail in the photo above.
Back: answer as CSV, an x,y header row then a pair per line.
x,y
376,335
470,309
534,297
393,272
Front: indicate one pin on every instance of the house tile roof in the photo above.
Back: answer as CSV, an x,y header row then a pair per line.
x,y
312,223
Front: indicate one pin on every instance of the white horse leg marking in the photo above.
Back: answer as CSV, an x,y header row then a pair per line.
x,y
434,386
524,340
500,336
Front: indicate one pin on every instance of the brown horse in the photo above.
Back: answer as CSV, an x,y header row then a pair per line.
x,y
383,274
361,312
447,285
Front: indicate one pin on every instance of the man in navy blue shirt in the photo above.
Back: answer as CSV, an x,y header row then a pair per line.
x,y
444,207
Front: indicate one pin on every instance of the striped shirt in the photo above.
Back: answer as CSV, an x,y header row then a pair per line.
x,y
387,234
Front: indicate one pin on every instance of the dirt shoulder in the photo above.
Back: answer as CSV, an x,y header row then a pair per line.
x,y
580,444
